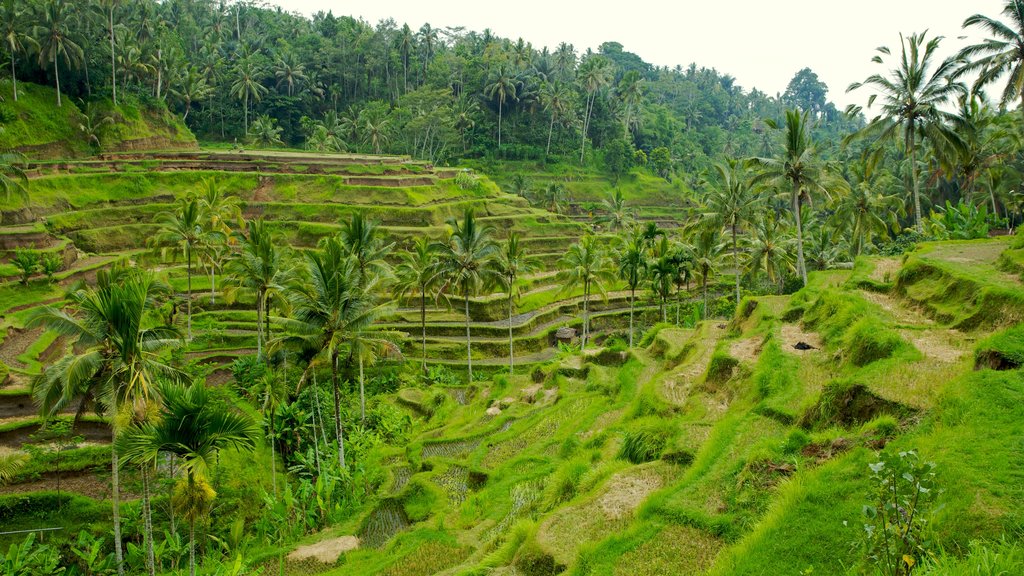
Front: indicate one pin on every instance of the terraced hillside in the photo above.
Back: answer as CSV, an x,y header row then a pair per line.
x,y
94,213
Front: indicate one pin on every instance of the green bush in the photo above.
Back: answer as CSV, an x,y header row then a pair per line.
x,y
720,368
565,482
644,444
869,340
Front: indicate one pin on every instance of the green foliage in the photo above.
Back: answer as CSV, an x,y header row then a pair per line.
x,y
51,264
564,484
963,221
899,508
644,443
1002,350
983,558
31,559
721,368
27,261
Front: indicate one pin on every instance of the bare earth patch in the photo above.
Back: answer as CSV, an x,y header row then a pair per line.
x,y
746,350
676,387
326,551
886,269
792,334
935,344
626,492
901,314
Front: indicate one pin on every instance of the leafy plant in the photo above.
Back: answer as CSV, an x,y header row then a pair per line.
x,y
903,490
31,559
27,261
51,264
964,221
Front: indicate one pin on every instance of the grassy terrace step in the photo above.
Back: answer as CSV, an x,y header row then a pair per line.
x,y
18,431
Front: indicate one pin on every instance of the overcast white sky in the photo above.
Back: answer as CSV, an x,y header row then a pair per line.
x,y
761,43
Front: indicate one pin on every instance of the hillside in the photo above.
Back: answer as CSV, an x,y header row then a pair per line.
x,y
35,127
712,447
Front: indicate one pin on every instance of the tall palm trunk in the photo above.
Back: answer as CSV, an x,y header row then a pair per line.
x,y
423,325
337,411
113,67
191,531
917,190
188,299
362,393
801,266
147,527
259,324
586,314
115,498
469,345
551,129
273,453
736,263
632,297
501,102
213,286
511,349
56,75
704,287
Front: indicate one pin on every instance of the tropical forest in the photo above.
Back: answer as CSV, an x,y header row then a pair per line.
x,y
290,293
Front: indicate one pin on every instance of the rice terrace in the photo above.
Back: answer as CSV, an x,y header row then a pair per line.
x,y
305,294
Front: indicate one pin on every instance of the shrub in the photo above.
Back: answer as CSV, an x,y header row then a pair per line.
x,y
720,368
565,482
27,261
868,340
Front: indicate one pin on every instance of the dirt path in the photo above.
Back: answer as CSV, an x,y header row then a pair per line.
x,y
16,343
326,551
900,312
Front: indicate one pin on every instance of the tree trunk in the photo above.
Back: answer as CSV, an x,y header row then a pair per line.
x,y
586,315
551,129
500,102
917,192
115,498
273,454
192,546
113,66
337,411
801,266
147,513
188,299
632,296
736,264
56,74
423,325
213,286
511,348
469,346
259,325
704,287
14,79
362,393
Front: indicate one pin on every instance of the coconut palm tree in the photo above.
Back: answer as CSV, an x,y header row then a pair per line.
x,y
248,86
12,176
13,24
796,172
732,202
913,94
770,249
115,358
594,75
416,274
867,210
707,250
363,241
106,9
289,72
616,215
663,272
556,98
192,87
265,133
632,266
330,307
10,462
260,267
586,264
183,229
54,41
220,211
467,263
1000,54
502,84
194,427
513,262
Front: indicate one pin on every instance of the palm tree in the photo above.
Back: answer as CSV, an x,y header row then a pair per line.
x,y
247,86
664,274
985,142
513,262
557,100
769,249
264,132
594,75
330,307
12,176
54,42
194,427
10,462
12,19
467,263
631,93
707,250
502,85
732,202
114,361
106,9
867,211
259,267
798,169
1001,54
416,273
368,344
191,88
183,229
289,71
616,215
585,264
362,240
220,210
912,97
554,197
632,265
